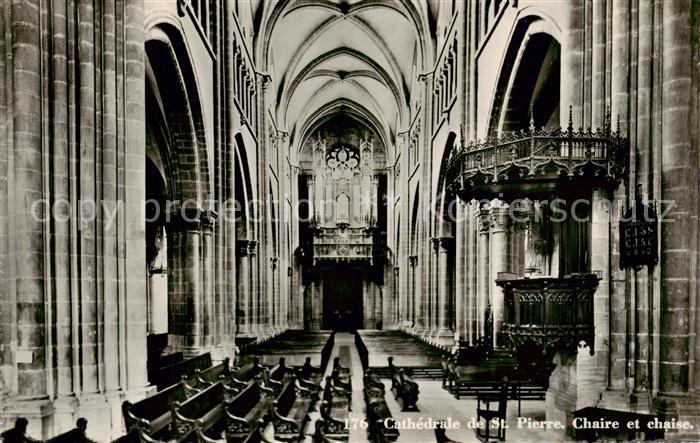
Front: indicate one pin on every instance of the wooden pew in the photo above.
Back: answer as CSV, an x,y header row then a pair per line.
x,y
309,376
327,351
280,376
256,436
248,410
378,415
340,387
328,432
75,435
290,412
219,373
174,373
341,370
243,376
405,390
362,351
372,379
334,409
152,416
208,407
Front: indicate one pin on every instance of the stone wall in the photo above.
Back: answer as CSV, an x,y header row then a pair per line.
x,y
73,314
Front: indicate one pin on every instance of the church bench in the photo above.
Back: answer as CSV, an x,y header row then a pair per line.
x,y
75,435
280,376
309,376
243,376
248,410
340,369
326,351
174,373
405,390
330,432
518,390
362,351
218,373
152,415
256,436
290,412
371,379
337,388
207,407
377,413
378,416
335,405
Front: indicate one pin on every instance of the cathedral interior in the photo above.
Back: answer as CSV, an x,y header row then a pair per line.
x,y
349,220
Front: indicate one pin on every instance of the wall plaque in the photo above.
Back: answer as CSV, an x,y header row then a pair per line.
x,y
639,236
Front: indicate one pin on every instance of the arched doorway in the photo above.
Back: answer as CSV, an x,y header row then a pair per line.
x,y
342,299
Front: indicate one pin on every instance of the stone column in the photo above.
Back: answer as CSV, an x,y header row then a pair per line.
x,y
275,308
434,287
676,183
482,268
471,289
498,262
460,271
133,112
444,307
591,374
209,320
23,307
623,18
243,313
254,291
185,320
412,292
419,299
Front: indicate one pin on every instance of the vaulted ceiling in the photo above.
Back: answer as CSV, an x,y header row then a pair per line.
x,y
357,57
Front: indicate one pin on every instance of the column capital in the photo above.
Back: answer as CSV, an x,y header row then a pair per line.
x,y
246,248
208,220
499,215
186,219
413,260
484,217
273,262
444,244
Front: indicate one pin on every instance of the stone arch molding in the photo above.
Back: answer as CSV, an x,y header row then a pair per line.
x,y
530,21
176,81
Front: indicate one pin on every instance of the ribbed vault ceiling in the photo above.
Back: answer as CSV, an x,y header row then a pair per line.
x,y
334,56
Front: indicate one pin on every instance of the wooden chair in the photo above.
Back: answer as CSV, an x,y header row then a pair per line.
x,y
483,410
290,413
441,434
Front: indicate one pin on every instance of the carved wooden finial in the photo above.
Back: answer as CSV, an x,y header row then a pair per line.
x,y
570,128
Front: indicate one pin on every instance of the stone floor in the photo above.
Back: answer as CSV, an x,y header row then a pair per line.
x,y
434,404
437,404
